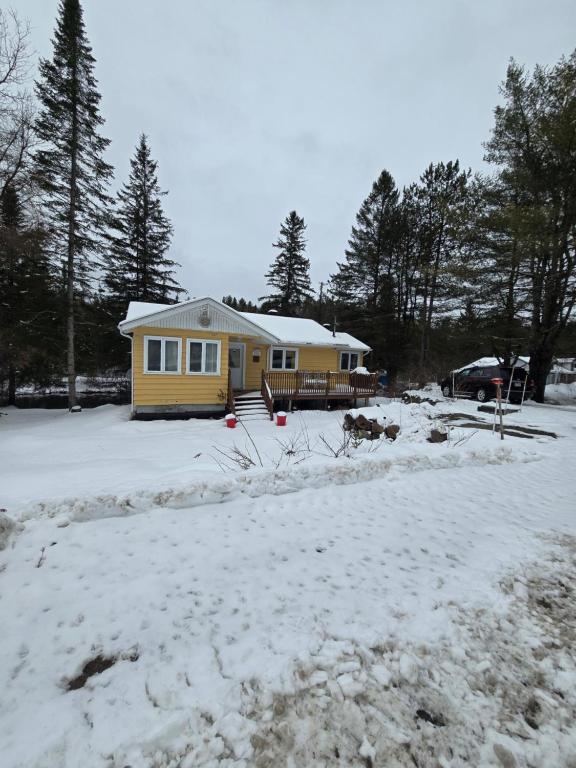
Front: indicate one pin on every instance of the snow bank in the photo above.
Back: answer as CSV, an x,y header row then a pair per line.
x,y
272,482
7,528
561,393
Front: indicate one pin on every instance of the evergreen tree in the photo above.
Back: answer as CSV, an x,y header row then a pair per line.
x,y
442,199
28,306
289,274
534,144
139,269
363,279
365,287
69,164
241,304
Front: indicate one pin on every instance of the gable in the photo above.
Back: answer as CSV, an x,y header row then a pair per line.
x,y
197,315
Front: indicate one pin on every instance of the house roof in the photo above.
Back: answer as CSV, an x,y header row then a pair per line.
x,y
300,330
278,329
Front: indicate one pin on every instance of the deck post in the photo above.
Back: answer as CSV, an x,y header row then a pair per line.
x,y
327,390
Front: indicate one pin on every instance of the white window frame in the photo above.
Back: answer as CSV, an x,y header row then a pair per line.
x,y
349,352
163,339
203,372
283,350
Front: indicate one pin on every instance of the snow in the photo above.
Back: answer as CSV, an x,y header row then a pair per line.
x,y
300,330
398,603
522,362
138,309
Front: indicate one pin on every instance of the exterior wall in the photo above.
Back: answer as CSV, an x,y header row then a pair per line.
x,y
183,392
178,388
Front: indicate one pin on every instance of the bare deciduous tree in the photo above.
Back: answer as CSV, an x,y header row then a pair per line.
x,y
16,106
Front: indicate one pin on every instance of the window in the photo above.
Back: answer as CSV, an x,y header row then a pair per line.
x,y
282,359
348,361
203,357
162,354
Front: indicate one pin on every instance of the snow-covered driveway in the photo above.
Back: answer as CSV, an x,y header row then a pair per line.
x,y
420,618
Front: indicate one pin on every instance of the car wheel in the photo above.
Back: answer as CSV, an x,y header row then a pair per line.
x,y
446,391
481,395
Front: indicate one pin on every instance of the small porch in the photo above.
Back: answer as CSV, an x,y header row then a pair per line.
x,y
310,385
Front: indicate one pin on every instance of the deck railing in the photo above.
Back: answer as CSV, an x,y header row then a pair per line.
x,y
314,385
230,396
267,395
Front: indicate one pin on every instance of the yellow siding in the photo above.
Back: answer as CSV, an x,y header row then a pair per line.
x,y
186,389
318,359
182,388
254,370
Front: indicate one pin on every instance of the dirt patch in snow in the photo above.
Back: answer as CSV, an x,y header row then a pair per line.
x,y
96,666
503,695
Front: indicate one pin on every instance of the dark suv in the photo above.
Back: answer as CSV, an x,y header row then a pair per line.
x,y
476,381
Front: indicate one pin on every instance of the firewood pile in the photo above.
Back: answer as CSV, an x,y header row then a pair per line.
x,y
369,429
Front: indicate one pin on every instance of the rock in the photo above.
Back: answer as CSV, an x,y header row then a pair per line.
x,y
378,429
437,436
349,422
362,422
391,431
505,757
76,409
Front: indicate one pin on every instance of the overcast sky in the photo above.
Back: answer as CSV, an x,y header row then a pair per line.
x,y
258,107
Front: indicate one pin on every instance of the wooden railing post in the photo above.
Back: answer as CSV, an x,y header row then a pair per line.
x,y
230,402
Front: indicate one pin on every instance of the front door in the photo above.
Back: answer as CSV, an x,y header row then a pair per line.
x,y
236,365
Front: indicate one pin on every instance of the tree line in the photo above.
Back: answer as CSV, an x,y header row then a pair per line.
x,y
453,266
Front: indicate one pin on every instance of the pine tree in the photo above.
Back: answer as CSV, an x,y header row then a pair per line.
x,y
290,272
139,269
28,305
363,277
365,287
442,199
69,164
534,144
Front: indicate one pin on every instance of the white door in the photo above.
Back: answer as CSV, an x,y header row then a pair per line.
x,y
236,365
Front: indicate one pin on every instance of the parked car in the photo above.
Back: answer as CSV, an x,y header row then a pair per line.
x,y
475,381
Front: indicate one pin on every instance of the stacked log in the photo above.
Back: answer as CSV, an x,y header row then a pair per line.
x,y
369,429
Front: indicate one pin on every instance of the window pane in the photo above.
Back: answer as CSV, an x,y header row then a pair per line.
x,y
290,359
154,354
234,358
211,357
353,361
171,356
344,361
195,357
277,358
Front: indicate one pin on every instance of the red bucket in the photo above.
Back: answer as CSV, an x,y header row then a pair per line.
x,y
280,419
230,420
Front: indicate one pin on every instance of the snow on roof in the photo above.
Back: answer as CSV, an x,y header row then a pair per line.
x,y
300,330
138,309
522,362
288,330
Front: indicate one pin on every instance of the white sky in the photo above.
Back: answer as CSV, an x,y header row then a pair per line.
x,y
258,107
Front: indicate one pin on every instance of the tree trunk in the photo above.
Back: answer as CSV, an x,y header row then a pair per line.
x,y
540,364
11,385
70,330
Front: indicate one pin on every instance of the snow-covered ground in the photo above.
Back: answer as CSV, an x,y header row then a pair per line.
x,y
180,594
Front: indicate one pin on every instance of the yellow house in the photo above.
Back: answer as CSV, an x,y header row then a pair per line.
x,y
202,357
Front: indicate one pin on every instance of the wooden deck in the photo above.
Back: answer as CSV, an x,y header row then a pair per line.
x,y
318,385
310,385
